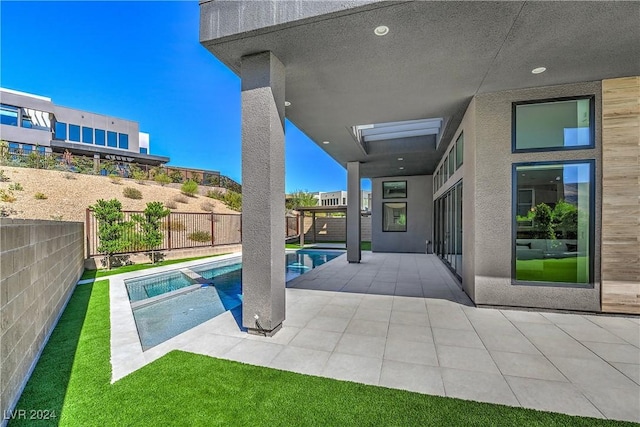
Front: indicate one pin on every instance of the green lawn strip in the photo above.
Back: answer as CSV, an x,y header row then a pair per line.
x,y
73,378
92,274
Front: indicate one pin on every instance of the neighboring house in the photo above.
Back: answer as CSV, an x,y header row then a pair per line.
x,y
339,198
333,198
32,122
501,136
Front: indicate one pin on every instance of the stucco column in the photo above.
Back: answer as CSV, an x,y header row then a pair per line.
x,y
353,212
263,210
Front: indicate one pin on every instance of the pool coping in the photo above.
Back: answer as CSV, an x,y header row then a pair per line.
x,y
126,350
127,355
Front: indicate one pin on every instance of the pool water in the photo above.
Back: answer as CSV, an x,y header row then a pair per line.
x,y
170,316
299,262
157,284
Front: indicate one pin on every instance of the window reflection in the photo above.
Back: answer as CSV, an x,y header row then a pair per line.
x,y
74,133
553,223
112,139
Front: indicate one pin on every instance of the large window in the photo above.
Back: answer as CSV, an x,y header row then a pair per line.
x,y
100,135
553,222
124,141
87,135
112,139
452,161
60,131
74,133
394,216
445,170
8,115
26,120
459,150
561,124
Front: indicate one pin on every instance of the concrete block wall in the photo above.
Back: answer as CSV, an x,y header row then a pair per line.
x,y
40,262
333,229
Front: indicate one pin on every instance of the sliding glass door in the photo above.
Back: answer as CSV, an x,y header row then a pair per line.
x,y
448,228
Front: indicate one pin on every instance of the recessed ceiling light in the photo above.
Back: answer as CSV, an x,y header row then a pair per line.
x,y
400,158
382,30
538,70
287,104
401,167
325,142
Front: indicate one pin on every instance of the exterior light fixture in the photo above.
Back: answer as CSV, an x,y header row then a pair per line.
x,y
325,142
539,70
287,104
401,167
400,158
382,30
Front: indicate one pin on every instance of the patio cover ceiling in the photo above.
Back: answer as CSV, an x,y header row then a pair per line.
x,y
435,58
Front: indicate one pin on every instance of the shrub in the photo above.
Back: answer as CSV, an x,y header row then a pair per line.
x,y
115,179
83,165
7,196
69,175
139,176
35,160
149,224
230,198
40,196
16,186
215,194
190,188
233,200
176,176
112,229
3,177
200,236
171,204
180,198
162,179
206,206
174,225
132,193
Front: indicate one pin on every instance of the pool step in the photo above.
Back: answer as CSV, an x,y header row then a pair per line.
x,y
166,295
195,277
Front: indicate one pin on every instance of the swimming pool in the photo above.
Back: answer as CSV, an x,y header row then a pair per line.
x,y
166,304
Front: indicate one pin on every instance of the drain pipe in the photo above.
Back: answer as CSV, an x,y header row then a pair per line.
x,y
258,326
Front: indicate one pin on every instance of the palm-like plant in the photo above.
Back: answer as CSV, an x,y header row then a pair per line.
x,y
301,198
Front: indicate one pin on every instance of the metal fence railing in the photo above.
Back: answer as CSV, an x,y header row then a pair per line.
x,y
292,226
181,230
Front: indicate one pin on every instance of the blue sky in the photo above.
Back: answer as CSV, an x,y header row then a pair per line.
x,y
142,61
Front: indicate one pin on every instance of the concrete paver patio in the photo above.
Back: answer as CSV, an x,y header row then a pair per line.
x,y
402,321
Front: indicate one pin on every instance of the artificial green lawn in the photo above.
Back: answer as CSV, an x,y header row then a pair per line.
x,y
72,379
549,270
92,274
